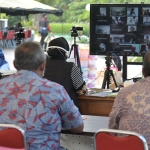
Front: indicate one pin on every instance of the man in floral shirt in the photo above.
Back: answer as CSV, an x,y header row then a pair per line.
x,y
131,109
42,108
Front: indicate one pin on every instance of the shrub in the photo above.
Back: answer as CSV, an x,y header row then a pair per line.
x,y
65,28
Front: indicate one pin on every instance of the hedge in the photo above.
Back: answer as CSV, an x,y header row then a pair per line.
x,y
66,27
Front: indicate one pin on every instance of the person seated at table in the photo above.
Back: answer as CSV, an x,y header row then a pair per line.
x,y
4,65
41,107
65,73
131,108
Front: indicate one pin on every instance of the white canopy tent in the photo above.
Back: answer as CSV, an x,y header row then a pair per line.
x,y
26,7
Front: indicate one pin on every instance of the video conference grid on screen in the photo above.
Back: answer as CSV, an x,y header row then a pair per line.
x,y
123,29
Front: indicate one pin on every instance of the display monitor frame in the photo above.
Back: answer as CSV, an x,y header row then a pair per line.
x,y
123,29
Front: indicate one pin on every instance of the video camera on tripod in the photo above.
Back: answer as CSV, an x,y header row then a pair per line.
x,y
74,30
74,46
19,36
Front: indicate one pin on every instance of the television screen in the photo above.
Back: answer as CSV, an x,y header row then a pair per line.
x,y
123,29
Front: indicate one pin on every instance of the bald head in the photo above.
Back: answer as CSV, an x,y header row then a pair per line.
x,y
146,64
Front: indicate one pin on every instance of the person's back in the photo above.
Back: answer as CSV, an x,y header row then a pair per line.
x,y
42,108
61,74
65,73
44,28
131,109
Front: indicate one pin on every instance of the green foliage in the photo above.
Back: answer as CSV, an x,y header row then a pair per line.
x,y
65,28
13,20
29,24
83,39
135,59
77,12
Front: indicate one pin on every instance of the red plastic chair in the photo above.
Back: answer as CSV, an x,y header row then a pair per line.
x,y
8,39
1,38
29,33
104,139
25,34
12,137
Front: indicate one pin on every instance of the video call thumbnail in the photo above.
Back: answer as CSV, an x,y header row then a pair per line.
x,y
132,20
118,29
146,21
117,11
144,30
102,11
132,11
132,29
116,38
103,38
118,20
135,48
144,48
120,47
102,29
103,20
130,38
100,46
146,11
146,39
143,39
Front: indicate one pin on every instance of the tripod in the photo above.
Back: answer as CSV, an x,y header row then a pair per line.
x,y
108,74
76,54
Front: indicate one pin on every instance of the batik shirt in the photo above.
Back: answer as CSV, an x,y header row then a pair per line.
x,y
42,108
131,109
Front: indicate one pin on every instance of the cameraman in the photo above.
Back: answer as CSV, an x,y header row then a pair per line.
x,y
18,27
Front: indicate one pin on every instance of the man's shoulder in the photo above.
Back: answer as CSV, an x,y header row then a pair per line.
x,y
133,85
48,83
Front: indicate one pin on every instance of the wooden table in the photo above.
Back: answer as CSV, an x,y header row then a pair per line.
x,y
97,106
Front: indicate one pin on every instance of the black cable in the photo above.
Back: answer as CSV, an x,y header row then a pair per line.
x,y
96,77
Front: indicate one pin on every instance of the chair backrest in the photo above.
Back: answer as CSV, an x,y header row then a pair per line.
x,y
29,33
10,35
108,139
1,35
12,136
26,34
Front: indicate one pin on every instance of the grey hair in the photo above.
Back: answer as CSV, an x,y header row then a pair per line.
x,y
146,63
29,56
